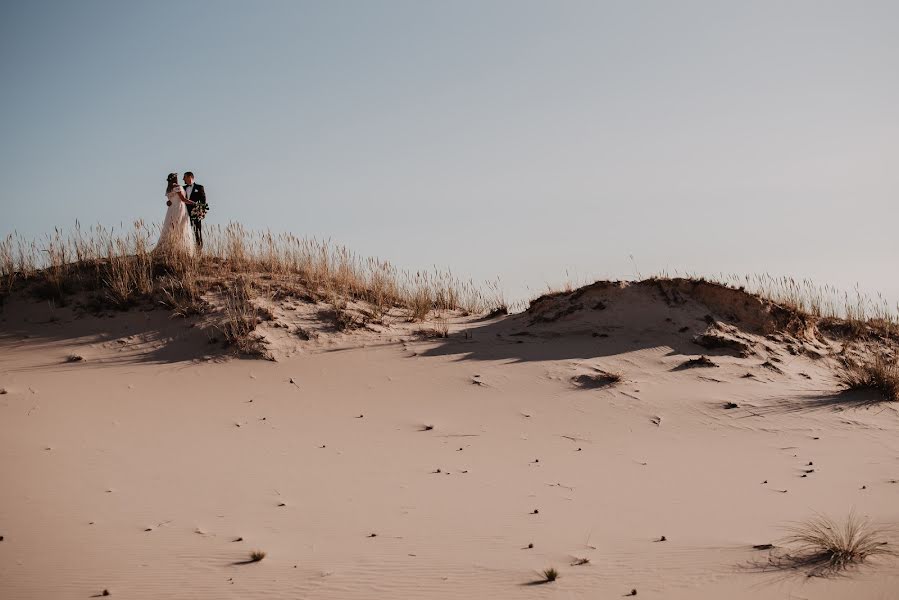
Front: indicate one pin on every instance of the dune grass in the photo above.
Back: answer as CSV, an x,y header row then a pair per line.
x,y
257,555
827,547
121,269
125,267
550,574
850,314
877,371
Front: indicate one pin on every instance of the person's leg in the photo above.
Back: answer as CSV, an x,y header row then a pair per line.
x,y
198,232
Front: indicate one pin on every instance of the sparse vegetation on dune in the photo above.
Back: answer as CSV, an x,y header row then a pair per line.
x,y
241,317
118,270
877,371
795,302
124,265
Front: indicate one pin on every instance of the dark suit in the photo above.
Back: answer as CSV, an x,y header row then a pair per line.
x,y
198,194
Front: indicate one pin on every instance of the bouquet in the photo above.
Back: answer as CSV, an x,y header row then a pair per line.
x,y
198,211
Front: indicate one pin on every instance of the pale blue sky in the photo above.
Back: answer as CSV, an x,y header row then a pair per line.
x,y
518,139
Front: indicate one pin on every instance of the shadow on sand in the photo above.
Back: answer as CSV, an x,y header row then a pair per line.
x,y
52,334
512,338
836,401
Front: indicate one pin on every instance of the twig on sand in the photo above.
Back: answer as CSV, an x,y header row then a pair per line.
x,y
570,489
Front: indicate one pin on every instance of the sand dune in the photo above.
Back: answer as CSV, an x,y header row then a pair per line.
x,y
384,463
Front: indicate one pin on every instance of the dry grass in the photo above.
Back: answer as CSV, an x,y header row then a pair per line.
x,y
826,547
550,574
440,328
119,270
878,372
847,314
854,313
103,269
340,313
124,269
241,317
257,555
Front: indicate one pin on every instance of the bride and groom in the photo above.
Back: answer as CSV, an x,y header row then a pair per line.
x,y
186,210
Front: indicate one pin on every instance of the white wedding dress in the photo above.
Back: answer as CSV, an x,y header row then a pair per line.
x,y
176,235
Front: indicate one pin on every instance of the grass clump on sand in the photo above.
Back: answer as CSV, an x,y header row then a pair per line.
x,y
256,555
240,318
827,547
880,373
550,574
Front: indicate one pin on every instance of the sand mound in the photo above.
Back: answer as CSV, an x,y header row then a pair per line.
x,y
644,301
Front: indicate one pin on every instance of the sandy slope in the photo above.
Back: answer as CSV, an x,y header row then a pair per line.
x,y
136,469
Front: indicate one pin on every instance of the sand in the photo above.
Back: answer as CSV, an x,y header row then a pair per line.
x,y
386,465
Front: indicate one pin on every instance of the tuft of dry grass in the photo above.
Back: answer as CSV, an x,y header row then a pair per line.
x,y
878,372
256,555
340,313
125,268
826,547
241,316
550,574
439,330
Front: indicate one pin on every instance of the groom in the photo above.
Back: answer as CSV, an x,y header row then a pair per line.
x,y
195,195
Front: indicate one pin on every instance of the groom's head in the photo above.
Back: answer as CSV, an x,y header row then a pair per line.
x,y
188,178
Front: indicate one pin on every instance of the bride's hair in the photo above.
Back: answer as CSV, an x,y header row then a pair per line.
x,y
171,182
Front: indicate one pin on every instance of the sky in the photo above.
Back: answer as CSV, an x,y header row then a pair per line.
x,y
537,142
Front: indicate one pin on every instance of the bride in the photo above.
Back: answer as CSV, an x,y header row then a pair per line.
x,y
176,235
